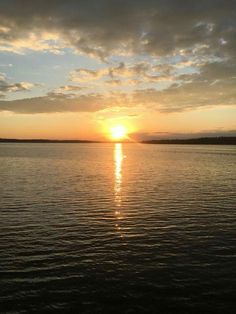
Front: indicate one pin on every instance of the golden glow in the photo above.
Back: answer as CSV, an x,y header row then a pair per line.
x,y
118,129
118,132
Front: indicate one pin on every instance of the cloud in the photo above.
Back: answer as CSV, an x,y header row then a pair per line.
x,y
188,96
69,88
119,26
6,87
58,102
208,84
214,85
123,70
195,41
127,82
85,75
123,74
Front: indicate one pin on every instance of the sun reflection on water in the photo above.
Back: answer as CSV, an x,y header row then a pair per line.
x,y
118,160
118,157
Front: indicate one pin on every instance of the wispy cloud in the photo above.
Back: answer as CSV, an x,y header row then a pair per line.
x,y
7,87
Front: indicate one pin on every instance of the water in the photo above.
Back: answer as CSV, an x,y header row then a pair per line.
x,y
112,228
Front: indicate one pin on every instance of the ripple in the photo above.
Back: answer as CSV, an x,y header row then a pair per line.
x,y
83,229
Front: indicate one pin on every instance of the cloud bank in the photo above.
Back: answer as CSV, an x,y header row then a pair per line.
x,y
104,27
188,45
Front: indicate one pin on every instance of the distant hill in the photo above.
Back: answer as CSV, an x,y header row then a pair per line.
x,y
202,141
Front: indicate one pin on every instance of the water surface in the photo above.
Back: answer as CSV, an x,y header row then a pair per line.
x,y
117,228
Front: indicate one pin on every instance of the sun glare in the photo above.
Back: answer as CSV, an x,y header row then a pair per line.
x,y
118,132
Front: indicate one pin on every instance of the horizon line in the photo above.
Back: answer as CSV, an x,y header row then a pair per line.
x,y
222,140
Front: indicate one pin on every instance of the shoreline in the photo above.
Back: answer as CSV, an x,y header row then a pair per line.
x,y
189,141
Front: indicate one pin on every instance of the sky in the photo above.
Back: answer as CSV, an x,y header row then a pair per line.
x,y
75,69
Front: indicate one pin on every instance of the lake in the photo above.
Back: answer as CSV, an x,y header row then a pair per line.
x,y
117,228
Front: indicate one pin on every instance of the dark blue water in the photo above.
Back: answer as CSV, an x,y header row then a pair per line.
x,y
103,228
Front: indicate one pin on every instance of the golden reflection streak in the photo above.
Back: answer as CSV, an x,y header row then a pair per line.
x,y
118,160
118,157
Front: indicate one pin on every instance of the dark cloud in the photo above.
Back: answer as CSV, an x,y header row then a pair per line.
x,y
103,27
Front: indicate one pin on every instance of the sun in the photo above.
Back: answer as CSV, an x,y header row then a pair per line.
x,y
118,132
